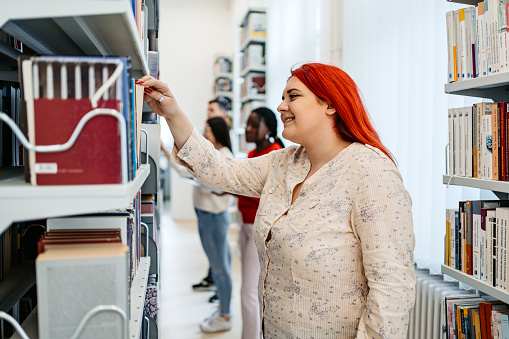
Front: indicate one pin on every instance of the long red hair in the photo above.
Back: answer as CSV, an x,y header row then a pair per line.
x,y
333,85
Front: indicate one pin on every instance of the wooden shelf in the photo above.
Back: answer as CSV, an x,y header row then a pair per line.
x,y
76,28
22,201
476,283
17,281
494,86
492,185
138,291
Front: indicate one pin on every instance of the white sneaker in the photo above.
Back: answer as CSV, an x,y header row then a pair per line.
x,y
215,323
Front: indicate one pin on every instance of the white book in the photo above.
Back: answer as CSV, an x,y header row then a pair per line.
x,y
467,116
469,42
463,44
488,249
456,150
452,222
451,48
457,42
498,275
463,139
72,280
482,250
486,144
481,33
450,118
487,20
476,245
491,252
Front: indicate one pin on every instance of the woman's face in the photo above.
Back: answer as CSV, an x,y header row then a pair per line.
x,y
256,129
209,135
302,113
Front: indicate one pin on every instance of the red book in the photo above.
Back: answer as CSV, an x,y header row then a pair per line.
x,y
503,109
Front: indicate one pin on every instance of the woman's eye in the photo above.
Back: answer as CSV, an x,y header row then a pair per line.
x,y
293,96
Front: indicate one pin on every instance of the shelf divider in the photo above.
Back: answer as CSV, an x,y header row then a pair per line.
x,y
138,291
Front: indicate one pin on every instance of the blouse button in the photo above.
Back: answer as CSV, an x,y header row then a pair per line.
x,y
184,158
272,189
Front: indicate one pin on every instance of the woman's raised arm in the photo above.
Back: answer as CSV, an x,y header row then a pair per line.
x,y
159,97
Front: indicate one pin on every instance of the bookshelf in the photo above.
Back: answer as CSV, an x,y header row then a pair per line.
x,y
249,73
76,28
83,28
49,201
495,87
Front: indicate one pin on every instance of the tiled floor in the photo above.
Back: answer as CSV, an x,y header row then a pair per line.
x,y
184,263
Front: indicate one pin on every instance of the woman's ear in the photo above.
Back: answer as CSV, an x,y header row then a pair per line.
x,y
330,110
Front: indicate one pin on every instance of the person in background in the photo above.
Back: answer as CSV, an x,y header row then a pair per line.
x,y
333,228
261,129
214,221
217,108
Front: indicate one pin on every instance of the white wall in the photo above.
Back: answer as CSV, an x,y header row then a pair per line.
x,y
191,34
297,31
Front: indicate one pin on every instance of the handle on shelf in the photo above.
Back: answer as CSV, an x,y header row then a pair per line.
x,y
146,145
100,92
97,309
14,323
146,237
68,144
148,327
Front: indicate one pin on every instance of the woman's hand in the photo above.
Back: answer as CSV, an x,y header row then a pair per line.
x,y
159,97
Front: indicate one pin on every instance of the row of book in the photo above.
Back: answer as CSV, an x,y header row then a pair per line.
x,y
476,240
67,95
222,65
253,56
473,317
477,40
254,26
254,84
223,84
11,150
85,261
478,142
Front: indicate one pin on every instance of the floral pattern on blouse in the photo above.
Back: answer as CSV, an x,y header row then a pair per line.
x,y
338,262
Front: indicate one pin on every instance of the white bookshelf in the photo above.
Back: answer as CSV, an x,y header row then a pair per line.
x,y
492,86
476,283
492,185
252,97
138,290
85,27
21,201
259,69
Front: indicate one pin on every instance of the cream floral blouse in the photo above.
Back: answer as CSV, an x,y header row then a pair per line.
x,y
338,262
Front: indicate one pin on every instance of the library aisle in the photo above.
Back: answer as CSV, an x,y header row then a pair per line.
x,y
184,263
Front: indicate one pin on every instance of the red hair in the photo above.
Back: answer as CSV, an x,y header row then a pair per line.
x,y
333,85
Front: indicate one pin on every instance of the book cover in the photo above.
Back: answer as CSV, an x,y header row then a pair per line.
x,y
54,113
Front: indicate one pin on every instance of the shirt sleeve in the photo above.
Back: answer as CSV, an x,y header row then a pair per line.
x,y
213,169
382,221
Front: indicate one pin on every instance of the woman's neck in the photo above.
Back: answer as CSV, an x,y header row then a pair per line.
x,y
324,151
262,145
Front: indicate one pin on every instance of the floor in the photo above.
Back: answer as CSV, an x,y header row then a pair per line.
x,y
184,263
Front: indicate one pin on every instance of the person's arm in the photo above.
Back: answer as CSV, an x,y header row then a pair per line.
x,y
168,108
198,155
383,223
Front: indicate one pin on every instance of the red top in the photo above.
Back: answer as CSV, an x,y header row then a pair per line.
x,y
249,205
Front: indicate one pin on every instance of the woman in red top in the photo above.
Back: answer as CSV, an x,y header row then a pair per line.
x,y
261,128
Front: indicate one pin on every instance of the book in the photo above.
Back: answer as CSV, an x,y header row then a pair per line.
x,y
97,156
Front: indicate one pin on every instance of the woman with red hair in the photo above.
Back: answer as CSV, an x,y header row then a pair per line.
x,y
334,226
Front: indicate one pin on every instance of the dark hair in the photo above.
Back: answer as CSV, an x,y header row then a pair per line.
x,y
221,102
270,120
220,130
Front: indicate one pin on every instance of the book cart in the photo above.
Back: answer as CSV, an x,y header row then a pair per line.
x,y
249,73
494,87
84,28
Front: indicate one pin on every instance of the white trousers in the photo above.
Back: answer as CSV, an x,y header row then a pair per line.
x,y
249,288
